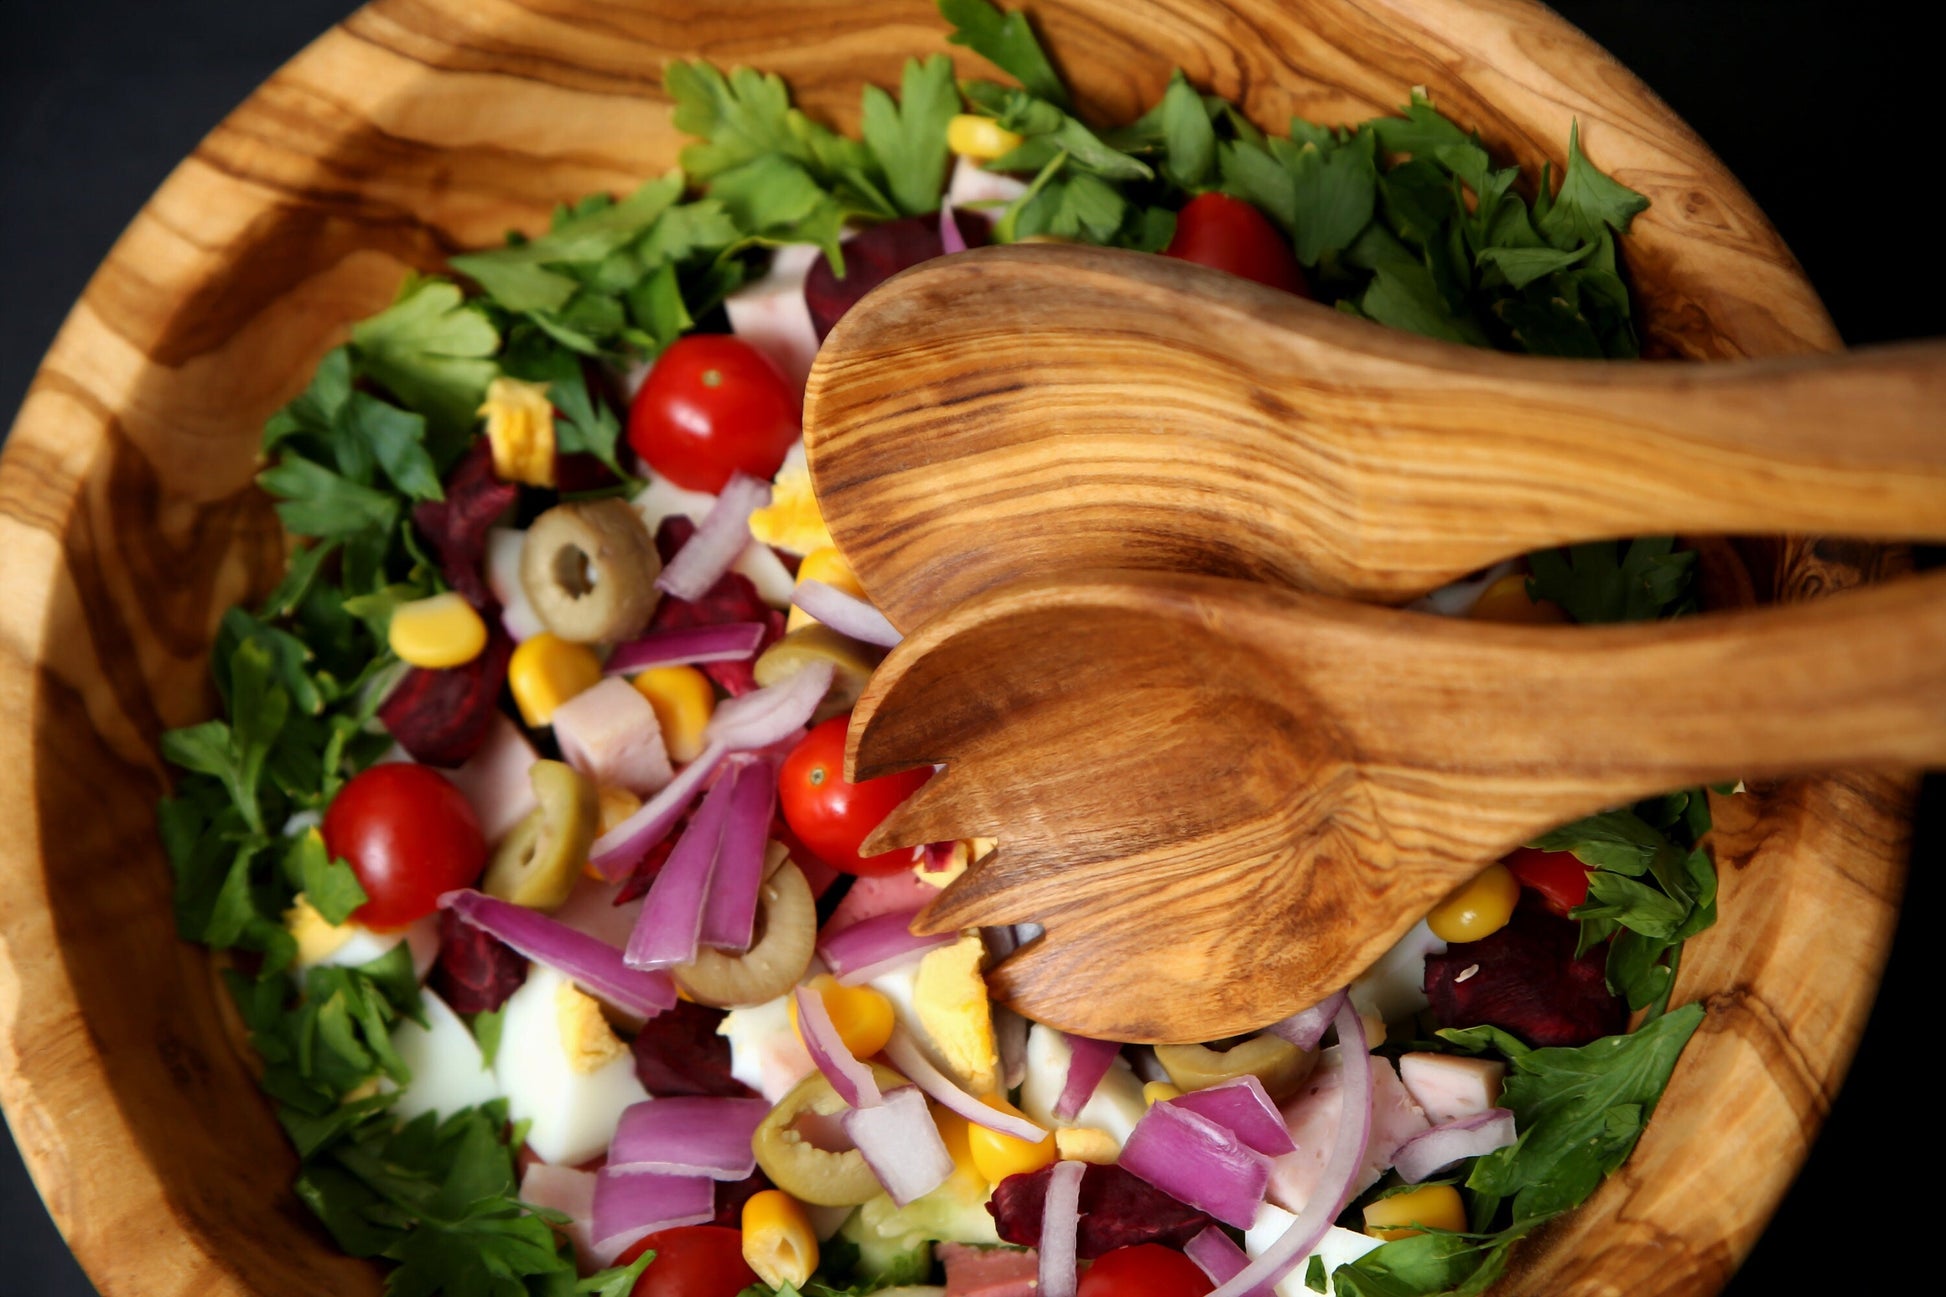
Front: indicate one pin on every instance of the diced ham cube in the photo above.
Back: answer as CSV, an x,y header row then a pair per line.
x,y
874,894
610,734
989,1271
572,1193
1448,1086
1313,1121
771,315
495,779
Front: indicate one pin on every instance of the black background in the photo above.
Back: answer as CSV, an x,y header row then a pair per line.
x,y
1814,104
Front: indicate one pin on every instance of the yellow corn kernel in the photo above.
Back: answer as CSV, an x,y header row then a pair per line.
x,y
778,1241
998,1156
1507,600
1154,1092
684,700
520,431
953,1133
443,631
546,671
862,1016
1478,908
792,520
980,138
1436,1206
1086,1144
829,566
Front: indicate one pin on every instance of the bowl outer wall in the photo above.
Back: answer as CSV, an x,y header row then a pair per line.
x,y
423,126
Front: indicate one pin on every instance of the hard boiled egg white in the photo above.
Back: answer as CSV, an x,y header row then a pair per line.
x,y
448,1071
348,945
563,1069
765,1052
1117,1103
1338,1247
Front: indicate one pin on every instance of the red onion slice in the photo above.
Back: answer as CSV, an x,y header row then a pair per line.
x,y
1306,1029
900,1142
1340,1172
730,912
616,851
1088,1061
857,954
1431,1151
1061,1229
852,1079
950,239
917,1068
1244,1108
688,1136
771,714
847,614
670,927
628,1207
595,966
1218,1256
730,642
720,538
1196,1161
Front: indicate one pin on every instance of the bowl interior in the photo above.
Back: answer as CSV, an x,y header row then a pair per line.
x,y
421,127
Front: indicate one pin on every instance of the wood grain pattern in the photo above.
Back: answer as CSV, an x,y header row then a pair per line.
x,y
422,126
1248,794
1024,409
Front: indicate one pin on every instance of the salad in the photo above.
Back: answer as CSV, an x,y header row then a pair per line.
x,y
525,836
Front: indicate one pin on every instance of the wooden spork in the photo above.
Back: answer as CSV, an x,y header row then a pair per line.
x,y
994,416
1223,800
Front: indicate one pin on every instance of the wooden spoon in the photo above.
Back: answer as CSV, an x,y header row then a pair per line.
x,y
1224,800
1013,411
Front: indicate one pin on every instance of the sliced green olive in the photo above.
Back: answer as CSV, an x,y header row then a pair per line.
x,y
787,932
853,662
589,569
537,863
802,1147
1280,1065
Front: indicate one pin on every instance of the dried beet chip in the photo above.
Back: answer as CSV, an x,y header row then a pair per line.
x,y
1525,979
443,716
1117,1210
678,1053
874,256
456,527
475,971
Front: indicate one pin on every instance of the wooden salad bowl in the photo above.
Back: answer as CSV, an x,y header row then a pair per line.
x,y
421,127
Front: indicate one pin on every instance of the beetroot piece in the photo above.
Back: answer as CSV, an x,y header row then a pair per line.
x,y
732,599
1117,1210
876,255
732,1194
456,527
442,717
678,1053
476,971
1526,981
581,472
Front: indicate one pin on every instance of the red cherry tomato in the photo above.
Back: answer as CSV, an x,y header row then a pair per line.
x,y
693,1261
409,836
1560,880
1145,1270
712,406
832,816
1229,234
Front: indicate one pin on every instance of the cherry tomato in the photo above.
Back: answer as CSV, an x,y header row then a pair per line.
x,y
1560,880
409,835
712,406
832,816
1145,1270
1229,234
692,1261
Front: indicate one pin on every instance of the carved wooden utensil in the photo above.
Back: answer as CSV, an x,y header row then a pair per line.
x,y
994,416
1223,800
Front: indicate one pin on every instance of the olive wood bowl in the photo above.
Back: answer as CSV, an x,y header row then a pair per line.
x,y
421,127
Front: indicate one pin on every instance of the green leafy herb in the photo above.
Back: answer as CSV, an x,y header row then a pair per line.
x,y
1589,204
330,886
909,138
1006,41
1614,581
1189,139
433,351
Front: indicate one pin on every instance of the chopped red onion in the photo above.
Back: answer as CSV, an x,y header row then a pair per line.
x,y
852,1079
1340,1172
845,613
1434,1150
691,1135
595,966
1218,1256
720,538
864,950
1243,1107
900,1141
917,1068
730,911
1088,1061
617,851
730,642
1060,1229
1306,1029
950,239
771,714
629,1206
671,924
1194,1160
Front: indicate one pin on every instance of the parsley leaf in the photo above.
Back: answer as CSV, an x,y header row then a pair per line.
x,y
1589,204
1189,141
1006,41
909,138
1614,581
433,351
330,886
